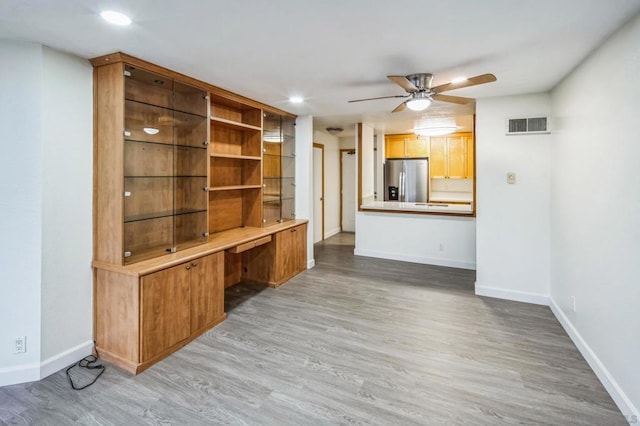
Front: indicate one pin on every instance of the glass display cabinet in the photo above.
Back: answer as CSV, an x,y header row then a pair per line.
x,y
165,165
278,143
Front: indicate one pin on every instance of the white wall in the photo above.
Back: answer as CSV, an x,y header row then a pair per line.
x,y
331,181
512,220
45,193
368,159
304,178
67,136
20,208
595,213
347,142
417,238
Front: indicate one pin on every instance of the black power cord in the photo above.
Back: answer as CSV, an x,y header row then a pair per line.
x,y
88,362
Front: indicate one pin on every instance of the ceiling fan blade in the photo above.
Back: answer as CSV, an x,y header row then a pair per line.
x,y
381,97
402,81
453,99
473,81
400,107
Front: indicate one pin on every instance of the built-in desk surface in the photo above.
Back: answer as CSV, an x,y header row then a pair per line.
x,y
217,242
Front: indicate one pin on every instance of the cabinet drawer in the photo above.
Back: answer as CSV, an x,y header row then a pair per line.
x,y
251,244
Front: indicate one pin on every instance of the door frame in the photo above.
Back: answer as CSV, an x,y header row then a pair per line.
x,y
321,147
342,151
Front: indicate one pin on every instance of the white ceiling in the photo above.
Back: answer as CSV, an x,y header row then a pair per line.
x,y
334,50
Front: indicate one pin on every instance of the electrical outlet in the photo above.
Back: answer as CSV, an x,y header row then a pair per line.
x,y
19,345
573,303
441,247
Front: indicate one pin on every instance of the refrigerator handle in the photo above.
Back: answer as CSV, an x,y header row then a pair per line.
x,y
401,186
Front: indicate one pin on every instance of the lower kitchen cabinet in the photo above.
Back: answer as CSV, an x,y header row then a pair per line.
x,y
140,320
274,263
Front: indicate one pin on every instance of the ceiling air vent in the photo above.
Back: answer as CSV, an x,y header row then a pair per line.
x,y
527,126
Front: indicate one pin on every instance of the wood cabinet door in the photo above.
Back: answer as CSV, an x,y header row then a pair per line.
x,y
394,146
300,249
416,147
285,257
207,290
165,314
438,157
457,163
470,156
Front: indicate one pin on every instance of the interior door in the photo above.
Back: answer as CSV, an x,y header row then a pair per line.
x,y
348,191
318,192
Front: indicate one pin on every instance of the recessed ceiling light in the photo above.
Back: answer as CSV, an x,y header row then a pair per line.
x,y
116,18
296,99
459,80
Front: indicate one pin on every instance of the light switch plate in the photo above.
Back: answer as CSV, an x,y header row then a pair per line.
x,y
511,178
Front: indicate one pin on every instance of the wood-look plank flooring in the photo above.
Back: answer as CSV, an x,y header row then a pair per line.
x,y
354,340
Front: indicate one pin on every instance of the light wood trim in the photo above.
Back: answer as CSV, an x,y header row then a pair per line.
x,y
236,124
342,151
217,242
123,57
108,164
237,157
359,152
321,147
248,246
233,187
473,143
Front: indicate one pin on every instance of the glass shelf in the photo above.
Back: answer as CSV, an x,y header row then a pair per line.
x,y
166,165
278,176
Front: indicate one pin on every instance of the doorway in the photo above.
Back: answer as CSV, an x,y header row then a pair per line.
x,y
318,192
348,190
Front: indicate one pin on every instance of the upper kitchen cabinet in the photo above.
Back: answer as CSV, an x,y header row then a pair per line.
x,y
451,156
278,143
151,163
406,146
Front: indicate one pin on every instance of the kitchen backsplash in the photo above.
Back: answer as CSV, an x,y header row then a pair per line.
x,y
452,185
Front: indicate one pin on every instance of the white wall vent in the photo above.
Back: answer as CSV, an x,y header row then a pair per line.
x,y
528,126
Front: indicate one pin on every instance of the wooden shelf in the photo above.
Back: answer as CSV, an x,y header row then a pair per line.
x,y
237,157
234,124
233,187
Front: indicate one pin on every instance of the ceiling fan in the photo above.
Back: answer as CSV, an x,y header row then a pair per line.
x,y
421,94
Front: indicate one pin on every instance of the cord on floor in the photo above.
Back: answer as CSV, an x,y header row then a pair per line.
x,y
88,362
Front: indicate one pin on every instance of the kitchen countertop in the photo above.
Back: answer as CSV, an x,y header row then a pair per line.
x,y
417,207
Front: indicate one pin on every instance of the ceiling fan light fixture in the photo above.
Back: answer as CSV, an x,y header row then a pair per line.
x,y
419,101
419,104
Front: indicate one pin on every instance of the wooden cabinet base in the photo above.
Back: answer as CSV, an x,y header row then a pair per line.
x,y
134,367
141,319
278,261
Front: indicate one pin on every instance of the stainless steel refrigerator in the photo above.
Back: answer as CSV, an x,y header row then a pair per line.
x,y
406,180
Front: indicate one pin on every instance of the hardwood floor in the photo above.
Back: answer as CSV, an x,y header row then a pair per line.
x,y
354,340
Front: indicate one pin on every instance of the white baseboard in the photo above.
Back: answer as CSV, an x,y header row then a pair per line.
x,y
617,394
311,263
331,233
516,296
39,370
416,259
20,374
64,359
